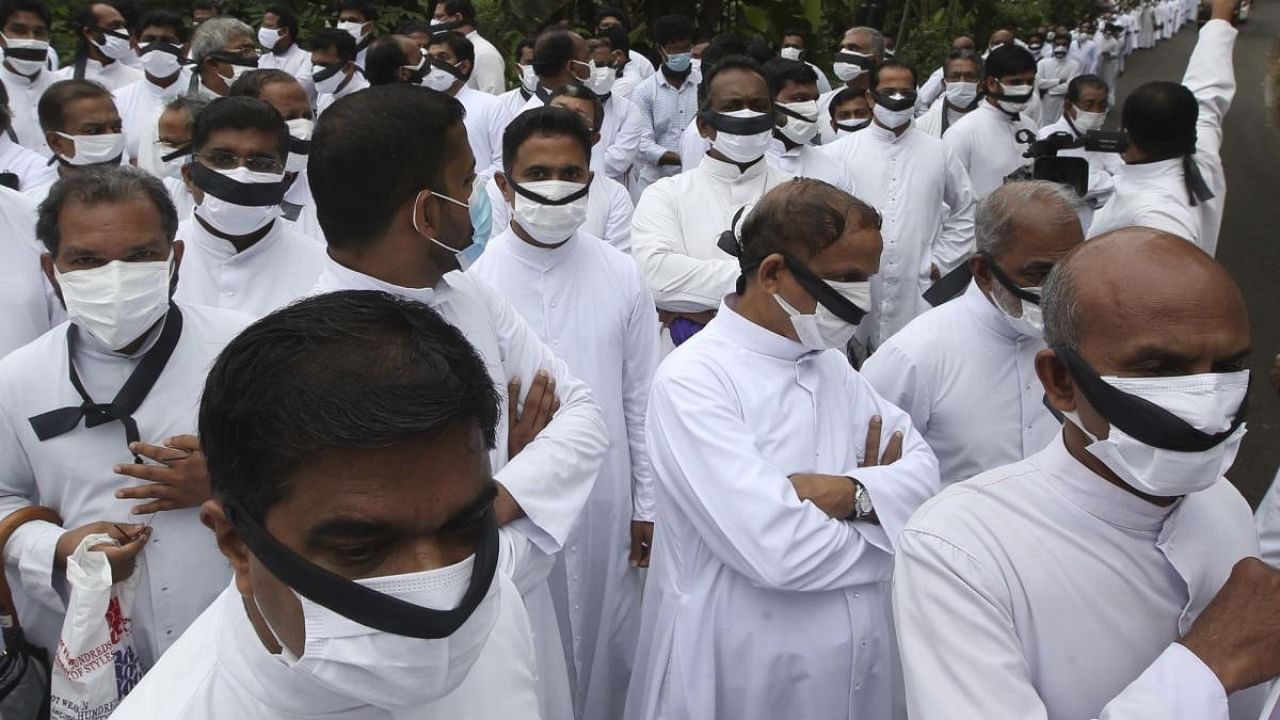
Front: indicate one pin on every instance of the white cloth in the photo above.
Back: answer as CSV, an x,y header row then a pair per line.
x,y
25,294
71,473
984,141
24,97
619,144
356,84
220,669
1052,77
1068,592
758,605
809,161
273,272
1084,52
693,147
484,130
637,69
934,124
824,83
1102,170
589,304
181,196
1155,194
926,203
968,381
931,90
609,211
140,104
678,222
112,77
489,74
1110,65
665,113
1268,522
295,61
31,167
1147,28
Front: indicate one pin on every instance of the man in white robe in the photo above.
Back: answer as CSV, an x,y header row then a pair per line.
x,y
1053,74
961,74
1084,574
783,480
965,371
1085,108
489,71
794,87
452,61
588,303
102,41
1173,179
987,140
23,291
278,35
141,102
1147,27
25,74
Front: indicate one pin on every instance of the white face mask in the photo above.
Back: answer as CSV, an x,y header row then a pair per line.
x,y
236,72
232,219
299,129
962,94
173,166
742,148
118,302
892,119
114,46
791,53
94,149
799,131
268,37
1208,402
850,127
27,67
601,79
389,671
822,330
848,72
550,224
329,85
439,80
1025,318
159,64
352,28
1086,121
528,78
1014,107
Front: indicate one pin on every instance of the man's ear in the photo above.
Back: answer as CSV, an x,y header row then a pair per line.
x,y
768,275
981,273
229,544
504,186
60,145
46,265
1058,386
196,193
704,129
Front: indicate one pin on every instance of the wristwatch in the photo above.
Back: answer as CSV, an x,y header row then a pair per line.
x,y
862,507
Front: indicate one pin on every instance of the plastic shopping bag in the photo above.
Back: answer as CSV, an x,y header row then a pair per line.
x,y
95,665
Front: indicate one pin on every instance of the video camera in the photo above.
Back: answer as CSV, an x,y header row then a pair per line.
x,y
1073,171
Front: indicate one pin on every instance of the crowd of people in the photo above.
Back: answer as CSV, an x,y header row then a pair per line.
x,y
710,385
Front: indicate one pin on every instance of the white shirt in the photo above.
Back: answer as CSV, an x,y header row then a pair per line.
x,y
489,74
140,104
609,211
1268,522
71,473
1052,77
25,294
31,167
273,272
931,123
294,60
181,196
968,380
637,69
925,200
984,142
678,222
1072,592
356,84
809,161
220,669
481,121
112,77
1085,54
1155,194
589,304
24,97
759,605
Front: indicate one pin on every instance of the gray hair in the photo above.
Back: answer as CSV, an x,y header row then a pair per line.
x,y
1051,203
1061,308
214,34
191,103
103,184
877,38
962,54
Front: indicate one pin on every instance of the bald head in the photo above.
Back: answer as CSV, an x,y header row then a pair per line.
x,y
964,42
1001,37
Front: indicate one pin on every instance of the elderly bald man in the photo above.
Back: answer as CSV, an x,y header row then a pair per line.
x,y
1080,583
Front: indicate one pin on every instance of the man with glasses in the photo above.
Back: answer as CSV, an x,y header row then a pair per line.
x,y
241,254
102,42
159,46
223,49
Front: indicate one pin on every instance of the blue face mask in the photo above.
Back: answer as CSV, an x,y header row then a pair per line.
x,y
679,62
481,213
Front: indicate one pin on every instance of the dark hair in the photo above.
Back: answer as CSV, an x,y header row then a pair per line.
x,y
671,29
797,32
367,10
164,19
9,7
612,12
962,54
103,184
803,214
391,137
240,113
385,57
82,18
581,92
459,7
459,45
552,52
339,40
285,17
732,62
54,101
352,369
759,50
1080,82
252,83
413,26
546,121
525,42
890,65
1009,60
204,5
1160,118
617,38
778,72
844,95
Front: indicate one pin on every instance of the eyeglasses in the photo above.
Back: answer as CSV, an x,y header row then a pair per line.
x,y
221,160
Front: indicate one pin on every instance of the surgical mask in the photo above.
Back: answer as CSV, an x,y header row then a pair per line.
x,y
962,94
238,201
118,302
115,44
528,78
741,135
802,121
27,57
1180,434
352,28
791,53
328,79
481,213
1035,47
240,64
268,37
679,62
849,66
94,149
601,79
823,330
697,64
1014,103
551,211
300,130
1020,306
1059,52
160,59
442,76
1086,121
850,128
894,109
174,158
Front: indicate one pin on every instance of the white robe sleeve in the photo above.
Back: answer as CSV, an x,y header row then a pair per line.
x,y
940,650
617,223
625,148
1268,522
640,361
680,282
30,550
490,73
1211,78
954,242
898,379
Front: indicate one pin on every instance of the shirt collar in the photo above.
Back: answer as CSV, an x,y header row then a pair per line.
x,y
1169,171
885,134
730,172
222,250
1097,496
536,257
752,337
335,276
176,88
11,77
694,80
778,149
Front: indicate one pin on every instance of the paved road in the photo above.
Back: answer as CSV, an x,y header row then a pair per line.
x,y
1250,241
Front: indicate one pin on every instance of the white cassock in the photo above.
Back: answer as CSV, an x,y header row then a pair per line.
x,y
140,104
924,198
619,144
609,211
489,74
759,606
1268,522
1064,596
984,141
181,196
693,147
30,167
24,98
295,61
1085,55
1147,28
678,222
938,119
279,268
809,161
1155,194
589,304
551,477
1102,171
354,85
968,380
220,669
481,120
1110,63
930,91
25,294
112,77
1052,77
71,473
